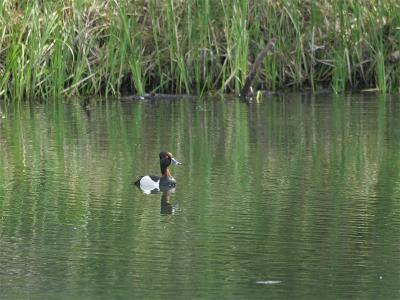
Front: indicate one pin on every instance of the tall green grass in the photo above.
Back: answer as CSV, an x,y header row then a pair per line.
x,y
68,48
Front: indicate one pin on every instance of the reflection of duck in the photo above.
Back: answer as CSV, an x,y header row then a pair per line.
x,y
166,207
153,184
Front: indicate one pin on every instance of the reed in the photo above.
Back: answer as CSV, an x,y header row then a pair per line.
x,y
68,48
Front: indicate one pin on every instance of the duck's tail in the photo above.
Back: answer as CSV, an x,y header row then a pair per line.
x,y
137,182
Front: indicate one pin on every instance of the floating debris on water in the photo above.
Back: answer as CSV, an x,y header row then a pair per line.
x,y
268,282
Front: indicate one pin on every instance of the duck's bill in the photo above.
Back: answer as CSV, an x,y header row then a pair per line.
x,y
175,162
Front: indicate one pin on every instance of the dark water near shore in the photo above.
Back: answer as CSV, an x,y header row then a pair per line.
x,y
295,197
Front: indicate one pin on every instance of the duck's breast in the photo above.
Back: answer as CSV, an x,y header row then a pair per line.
x,y
168,181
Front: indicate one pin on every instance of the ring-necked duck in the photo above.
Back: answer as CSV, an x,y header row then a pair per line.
x,y
151,183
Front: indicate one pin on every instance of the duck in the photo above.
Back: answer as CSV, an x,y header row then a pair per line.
x,y
153,184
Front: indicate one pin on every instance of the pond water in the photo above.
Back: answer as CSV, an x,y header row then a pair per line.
x,y
295,197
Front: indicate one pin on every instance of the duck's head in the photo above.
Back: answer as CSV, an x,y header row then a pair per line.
x,y
166,159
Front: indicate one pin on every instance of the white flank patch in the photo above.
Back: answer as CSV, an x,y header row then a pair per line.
x,y
146,183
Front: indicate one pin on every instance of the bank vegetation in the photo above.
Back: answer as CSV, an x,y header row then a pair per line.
x,y
78,47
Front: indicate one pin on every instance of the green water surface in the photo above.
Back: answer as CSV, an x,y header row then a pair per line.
x,y
295,197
